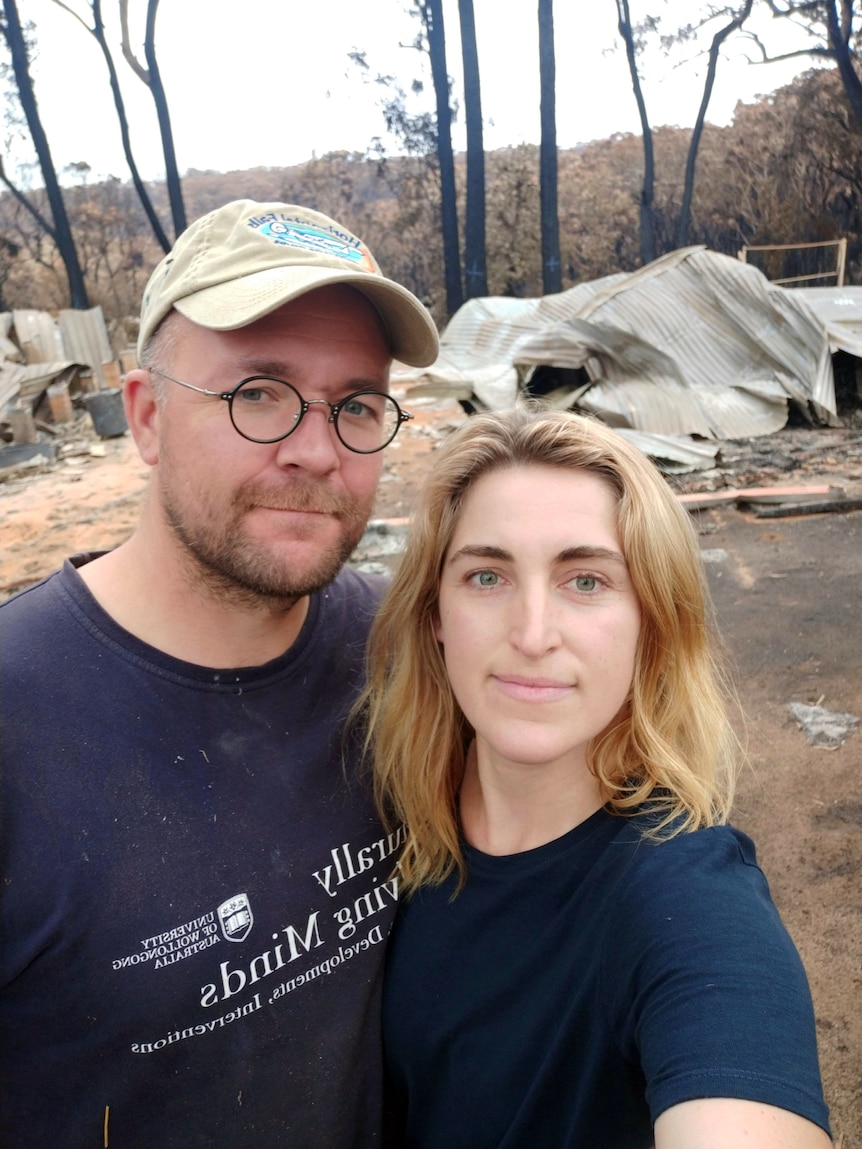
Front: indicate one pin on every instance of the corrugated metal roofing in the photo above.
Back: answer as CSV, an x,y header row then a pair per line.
x,y
694,343
24,383
51,348
85,338
38,336
839,309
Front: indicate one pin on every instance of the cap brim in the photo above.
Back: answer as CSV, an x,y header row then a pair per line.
x,y
228,306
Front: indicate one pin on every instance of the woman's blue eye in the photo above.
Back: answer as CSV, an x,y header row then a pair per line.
x,y
586,583
485,578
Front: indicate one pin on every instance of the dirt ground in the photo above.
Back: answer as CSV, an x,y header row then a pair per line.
x,y
787,599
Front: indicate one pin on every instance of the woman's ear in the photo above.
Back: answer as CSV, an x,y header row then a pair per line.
x,y
437,625
142,413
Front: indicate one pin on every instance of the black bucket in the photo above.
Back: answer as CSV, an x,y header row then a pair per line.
x,y
106,410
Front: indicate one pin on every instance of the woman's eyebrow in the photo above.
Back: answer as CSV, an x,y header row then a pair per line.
x,y
483,551
480,551
589,552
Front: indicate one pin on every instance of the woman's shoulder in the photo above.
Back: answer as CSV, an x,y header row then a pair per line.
x,y
667,843
705,871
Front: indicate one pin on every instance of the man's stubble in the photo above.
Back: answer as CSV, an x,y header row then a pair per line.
x,y
232,563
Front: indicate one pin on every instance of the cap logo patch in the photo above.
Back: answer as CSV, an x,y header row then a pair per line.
x,y
285,233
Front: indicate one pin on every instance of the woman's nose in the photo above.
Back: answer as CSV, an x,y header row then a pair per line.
x,y
535,627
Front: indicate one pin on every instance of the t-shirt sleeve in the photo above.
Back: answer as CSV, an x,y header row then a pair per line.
x,y
706,992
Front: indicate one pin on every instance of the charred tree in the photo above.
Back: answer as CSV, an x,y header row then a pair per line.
x,y
552,280
647,199
98,32
697,132
151,76
475,254
830,23
61,232
432,17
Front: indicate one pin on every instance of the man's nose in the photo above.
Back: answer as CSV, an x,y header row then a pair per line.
x,y
314,445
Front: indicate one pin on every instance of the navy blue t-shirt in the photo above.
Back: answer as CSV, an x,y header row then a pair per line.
x,y
571,993
196,890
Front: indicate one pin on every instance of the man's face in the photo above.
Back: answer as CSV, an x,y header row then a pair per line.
x,y
271,520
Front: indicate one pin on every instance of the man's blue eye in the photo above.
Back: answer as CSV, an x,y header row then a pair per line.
x,y
356,409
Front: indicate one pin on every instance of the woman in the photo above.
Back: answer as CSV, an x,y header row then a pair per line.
x,y
587,955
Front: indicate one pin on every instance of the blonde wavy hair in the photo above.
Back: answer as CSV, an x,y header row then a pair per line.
x,y
672,748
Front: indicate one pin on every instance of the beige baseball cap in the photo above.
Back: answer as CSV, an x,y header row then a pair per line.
x,y
245,259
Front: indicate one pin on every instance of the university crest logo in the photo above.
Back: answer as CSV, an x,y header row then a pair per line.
x,y
236,918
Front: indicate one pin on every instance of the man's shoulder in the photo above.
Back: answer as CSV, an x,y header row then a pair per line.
x,y
358,588
341,614
36,631
32,597
30,600
42,620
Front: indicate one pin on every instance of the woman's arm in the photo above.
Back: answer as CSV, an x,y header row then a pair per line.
x,y
726,1123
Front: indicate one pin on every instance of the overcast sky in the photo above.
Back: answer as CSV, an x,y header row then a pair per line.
x,y
267,83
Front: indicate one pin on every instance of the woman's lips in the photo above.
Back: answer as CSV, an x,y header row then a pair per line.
x,y
528,689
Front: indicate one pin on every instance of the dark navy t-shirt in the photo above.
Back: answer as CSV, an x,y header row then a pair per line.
x,y
571,993
195,888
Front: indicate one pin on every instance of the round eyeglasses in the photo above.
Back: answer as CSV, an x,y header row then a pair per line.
x,y
267,410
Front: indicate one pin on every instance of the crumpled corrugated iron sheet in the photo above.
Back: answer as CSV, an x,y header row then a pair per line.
x,y
695,343
839,309
23,383
50,348
38,336
676,454
85,339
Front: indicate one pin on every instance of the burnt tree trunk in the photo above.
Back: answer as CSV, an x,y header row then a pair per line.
x,y
432,15
691,159
552,279
647,219
61,231
98,31
475,254
172,175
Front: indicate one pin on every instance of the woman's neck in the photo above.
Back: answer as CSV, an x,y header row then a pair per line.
x,y
509,808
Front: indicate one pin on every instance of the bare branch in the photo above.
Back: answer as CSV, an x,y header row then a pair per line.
x,y
72,12
718,39
130,57
47,227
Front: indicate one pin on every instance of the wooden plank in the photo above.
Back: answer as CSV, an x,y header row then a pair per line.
x,y
830,507
701,499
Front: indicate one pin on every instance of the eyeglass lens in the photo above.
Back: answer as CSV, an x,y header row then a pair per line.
x,y
265,410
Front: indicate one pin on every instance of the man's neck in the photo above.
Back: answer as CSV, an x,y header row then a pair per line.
x,y
153,596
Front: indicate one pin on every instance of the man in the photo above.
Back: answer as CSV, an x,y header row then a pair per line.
x,y
196,890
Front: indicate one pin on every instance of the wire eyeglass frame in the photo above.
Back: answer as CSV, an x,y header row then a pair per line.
x,y
335,409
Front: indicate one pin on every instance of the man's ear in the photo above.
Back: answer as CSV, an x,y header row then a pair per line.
x,y
142,413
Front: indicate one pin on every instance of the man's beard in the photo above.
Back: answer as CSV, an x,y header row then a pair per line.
x,y
236,565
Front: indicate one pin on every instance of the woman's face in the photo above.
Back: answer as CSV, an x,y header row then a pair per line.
x,y
538,618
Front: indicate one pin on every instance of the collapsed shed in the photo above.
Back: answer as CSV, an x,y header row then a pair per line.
x,y
46,362
692,349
